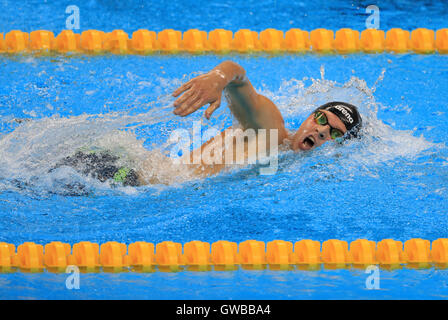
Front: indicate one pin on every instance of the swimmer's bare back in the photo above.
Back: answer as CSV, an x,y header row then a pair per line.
x,y
251,109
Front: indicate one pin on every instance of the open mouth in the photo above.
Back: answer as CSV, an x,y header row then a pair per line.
x,y
308,142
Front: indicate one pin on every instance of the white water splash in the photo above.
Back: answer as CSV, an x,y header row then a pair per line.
x,y
33,148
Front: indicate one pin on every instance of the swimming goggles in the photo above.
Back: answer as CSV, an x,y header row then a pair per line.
x,y
321,119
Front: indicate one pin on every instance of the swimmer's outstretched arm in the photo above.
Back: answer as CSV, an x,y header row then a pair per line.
x,y
251,109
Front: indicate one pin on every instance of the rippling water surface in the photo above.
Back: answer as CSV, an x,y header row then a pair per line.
x,y
390,184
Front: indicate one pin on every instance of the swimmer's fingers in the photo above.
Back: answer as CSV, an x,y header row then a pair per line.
x,y
182,88
193,107
186,103
213,106
184,98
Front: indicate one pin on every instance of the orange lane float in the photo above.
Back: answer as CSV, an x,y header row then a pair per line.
x,y
68,41
195,41
56,255
41,40
246,40
439,252
30,256
116,42
398,40
2,43
271,40
362,252
297,40
220,40
372,40
306,254
347,41
322,40
170,40
442,40
144,41
85,255
16,41
335,253
92,41
342,41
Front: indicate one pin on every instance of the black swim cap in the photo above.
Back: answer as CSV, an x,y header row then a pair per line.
x,y
348,114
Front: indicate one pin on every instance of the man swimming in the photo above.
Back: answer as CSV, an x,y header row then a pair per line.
x,y
331,121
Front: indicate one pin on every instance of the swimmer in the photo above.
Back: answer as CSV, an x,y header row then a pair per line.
x,y
333,121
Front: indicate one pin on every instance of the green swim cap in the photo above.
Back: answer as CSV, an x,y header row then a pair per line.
x,y
121,174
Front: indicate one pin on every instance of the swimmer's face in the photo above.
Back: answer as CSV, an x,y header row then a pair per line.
x,y
311,135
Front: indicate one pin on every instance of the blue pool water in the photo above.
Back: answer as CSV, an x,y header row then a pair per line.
x,y
391,184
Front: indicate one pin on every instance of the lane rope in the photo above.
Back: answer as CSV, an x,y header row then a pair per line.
x,y
223,255
343,41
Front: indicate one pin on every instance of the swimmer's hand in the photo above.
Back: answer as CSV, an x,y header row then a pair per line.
x,y
251,109
199,91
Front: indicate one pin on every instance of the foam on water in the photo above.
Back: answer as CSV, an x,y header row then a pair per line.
x,y
34,147
380,143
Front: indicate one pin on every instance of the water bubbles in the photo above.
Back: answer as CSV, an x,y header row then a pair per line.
x,y
139,137
380,144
